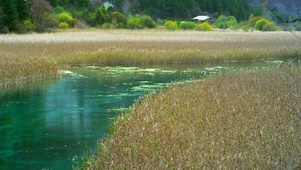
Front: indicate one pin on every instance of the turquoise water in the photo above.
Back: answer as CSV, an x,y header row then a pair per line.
x,y
51,124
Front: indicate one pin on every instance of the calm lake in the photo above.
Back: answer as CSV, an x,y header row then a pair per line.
x,y
52,124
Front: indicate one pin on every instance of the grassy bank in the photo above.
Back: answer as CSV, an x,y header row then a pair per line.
x,y
238,121
39,56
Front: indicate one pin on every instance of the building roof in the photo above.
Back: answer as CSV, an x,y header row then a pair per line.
x,y
201,17
107,5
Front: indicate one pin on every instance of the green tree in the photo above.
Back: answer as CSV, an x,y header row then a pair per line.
x,y
28,25
10,14
134,22
53,3
42,15
206,5
253,19
59,9
63,2
148,22
117,3
81,3
179,9
88,17
1,20
215,5
209,6
118,20
23,9
256,9
224,22
165,8
65,17
100,15
266,25
203,5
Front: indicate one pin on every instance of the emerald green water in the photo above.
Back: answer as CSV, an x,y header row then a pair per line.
x,y
51,124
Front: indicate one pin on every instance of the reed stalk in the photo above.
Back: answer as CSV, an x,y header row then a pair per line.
x,y
40,56
236,121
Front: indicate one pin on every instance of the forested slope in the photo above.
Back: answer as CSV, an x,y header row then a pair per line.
x,y
23,16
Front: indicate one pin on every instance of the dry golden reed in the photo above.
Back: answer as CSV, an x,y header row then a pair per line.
x,y
237,121
19,69
128,57
39,56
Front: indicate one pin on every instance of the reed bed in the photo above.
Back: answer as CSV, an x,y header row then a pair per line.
x,y
142,57
236,121
35,56
19,70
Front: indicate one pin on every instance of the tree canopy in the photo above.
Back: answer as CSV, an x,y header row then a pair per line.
x,y
179,9
42,15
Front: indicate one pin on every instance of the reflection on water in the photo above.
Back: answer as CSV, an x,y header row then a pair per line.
x,y
50,124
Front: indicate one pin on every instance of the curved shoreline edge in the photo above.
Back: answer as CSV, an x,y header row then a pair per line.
x,y
235,120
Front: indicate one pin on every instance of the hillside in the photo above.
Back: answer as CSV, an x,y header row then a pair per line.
x,y
287,6
47,15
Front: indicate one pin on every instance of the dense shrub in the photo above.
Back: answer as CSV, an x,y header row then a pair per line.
x,y
266,25
28,25
148,22
118,20
171,25
84,15
49,21
134,22
64,17
246,28
260,23
297,27
204,27
63,25
270,27
139,22
59,10
160,22
40,28
107,26
225,22
81,25
73,22
99,16
187,25
25,27
237,26
5,30
252,20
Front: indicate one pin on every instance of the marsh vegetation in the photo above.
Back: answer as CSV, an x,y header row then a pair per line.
x,y
246,120
40,56
236,121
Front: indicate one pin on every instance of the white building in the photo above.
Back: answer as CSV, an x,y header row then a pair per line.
x,y
202,18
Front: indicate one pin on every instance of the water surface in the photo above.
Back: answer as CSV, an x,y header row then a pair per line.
x,y
50,125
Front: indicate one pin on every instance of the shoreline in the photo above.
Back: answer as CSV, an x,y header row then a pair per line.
x,y
235,120
157,132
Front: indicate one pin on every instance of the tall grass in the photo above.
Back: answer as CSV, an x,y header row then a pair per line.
x,y
237,121
18,70
138,57
40,56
